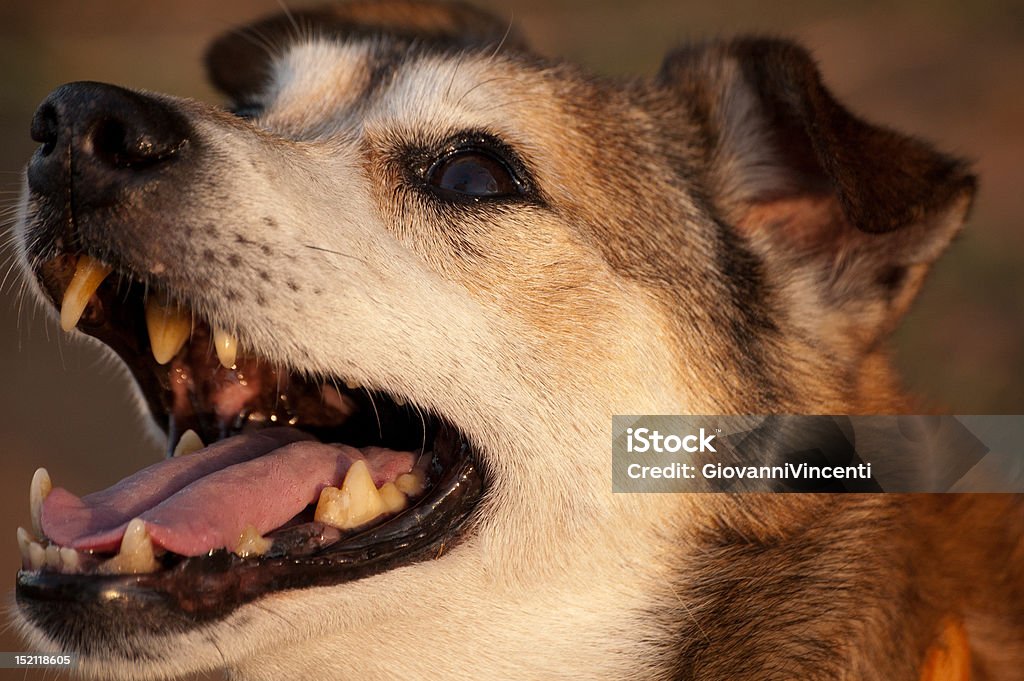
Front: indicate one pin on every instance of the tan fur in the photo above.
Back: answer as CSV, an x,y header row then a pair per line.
x,y
673,263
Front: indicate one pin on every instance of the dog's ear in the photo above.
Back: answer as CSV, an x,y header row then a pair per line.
x,y
238,62
836,208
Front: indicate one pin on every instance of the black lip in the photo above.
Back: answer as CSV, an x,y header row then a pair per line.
x,y
76,608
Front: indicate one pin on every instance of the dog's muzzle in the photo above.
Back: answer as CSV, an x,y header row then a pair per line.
x,y
361,480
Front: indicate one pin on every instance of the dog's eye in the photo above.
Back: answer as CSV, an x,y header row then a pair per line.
x,y
473,173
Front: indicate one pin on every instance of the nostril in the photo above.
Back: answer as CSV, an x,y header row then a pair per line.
x,y
45,128
116,144
107,142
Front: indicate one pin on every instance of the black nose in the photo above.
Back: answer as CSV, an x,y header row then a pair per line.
x,y
99,138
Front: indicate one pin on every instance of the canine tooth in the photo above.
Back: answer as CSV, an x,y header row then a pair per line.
x,y
410,484
36,555
136,554
68,560
24,541
189,442
400,401
365,503
169,327
252,543
394,500
227,347
37,493
356,503
52,553
89,274
352,385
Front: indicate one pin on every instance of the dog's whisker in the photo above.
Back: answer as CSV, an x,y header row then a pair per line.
x,y
455,70
11,262
423,425
493,79
274,49
277,616
508,32
376,412
332,252
297,36
511,103
279,370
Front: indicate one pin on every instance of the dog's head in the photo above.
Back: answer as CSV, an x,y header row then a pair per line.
x,y
409,233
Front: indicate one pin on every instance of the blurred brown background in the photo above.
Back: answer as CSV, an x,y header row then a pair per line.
x,y
949,71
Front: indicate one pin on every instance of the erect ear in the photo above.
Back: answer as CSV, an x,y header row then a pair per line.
x,y
847,216
238,62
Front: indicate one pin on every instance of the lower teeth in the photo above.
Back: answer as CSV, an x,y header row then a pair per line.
x,y
252,543
358,501
136,555
34,556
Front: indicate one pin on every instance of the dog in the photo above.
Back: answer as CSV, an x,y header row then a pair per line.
x,y
413,252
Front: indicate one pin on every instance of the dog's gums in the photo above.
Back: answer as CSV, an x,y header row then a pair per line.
x,y
298,472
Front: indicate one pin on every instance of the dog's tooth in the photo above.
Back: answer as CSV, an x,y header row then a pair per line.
x,y
169,327
411,484
190,442
394,500
352,385
89,274
136,554
331,508
252,543
69,560
226,345
356,503
24,541
37,493
400,401
36,555
52,554
365,503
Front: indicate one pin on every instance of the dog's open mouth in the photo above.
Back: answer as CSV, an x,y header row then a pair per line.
x,y
302,480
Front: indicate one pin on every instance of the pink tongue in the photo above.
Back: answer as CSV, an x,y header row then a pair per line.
x,y
204,501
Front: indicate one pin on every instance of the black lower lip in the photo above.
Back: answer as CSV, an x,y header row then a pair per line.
x,y
204,588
